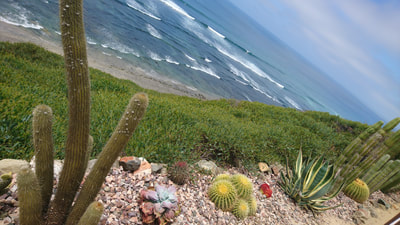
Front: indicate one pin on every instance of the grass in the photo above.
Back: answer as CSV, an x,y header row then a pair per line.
x,y
175,128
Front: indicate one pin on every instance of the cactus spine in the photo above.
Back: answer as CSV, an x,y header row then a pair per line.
x,y
179,173
44,151
92,214
357,190
243,185
29,197
223,194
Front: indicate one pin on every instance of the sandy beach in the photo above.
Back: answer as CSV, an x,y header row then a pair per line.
x,y
109,64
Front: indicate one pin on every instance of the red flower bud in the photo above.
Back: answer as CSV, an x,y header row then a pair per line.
x,y
266,190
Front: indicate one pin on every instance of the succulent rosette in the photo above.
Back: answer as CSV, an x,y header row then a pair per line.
x,y
159,206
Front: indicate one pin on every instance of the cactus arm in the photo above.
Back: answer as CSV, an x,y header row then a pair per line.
x,y
392,182
44,151
372,172
128,123
390,169
391,124
92,214
29,197
77,75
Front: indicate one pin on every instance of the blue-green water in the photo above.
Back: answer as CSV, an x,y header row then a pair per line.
x,y
207,45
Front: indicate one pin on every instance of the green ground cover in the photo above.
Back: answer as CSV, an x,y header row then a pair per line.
x,y
174,128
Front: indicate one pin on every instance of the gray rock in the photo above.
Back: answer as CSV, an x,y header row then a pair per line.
x,y
156,167
131,165
384,203
276,168
209,166
12,165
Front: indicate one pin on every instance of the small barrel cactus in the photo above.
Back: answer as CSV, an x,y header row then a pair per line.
x,y
179,173
357,190
252,206
243,185
223,194
222,176
241,209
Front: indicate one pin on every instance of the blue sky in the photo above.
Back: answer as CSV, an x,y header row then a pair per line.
x,y
357,42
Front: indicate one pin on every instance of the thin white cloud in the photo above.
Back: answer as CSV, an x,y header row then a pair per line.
x,y
346,34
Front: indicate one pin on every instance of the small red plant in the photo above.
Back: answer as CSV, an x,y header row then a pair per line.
x,y
266,190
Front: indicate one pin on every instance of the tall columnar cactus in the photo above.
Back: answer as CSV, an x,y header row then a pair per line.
x,y
122,133
29,197
357,190
43,143
78,144
372,172
390,169
92,214
364,151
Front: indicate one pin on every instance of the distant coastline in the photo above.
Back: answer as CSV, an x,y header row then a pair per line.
x,y
112,65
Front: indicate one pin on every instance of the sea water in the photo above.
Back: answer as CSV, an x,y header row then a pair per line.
x,y
207,45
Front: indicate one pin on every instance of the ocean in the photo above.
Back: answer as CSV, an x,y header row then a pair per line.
x,y
207,45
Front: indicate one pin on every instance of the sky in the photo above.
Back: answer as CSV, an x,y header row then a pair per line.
x,y
357,43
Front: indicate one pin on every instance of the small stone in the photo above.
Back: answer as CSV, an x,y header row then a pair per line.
x,y
107,189
131,165
156,167
263,167
384,203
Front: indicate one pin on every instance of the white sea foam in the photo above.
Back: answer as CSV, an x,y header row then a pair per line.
x,y
241,82
107,54
153,31
170,60
57,32
21,21
134,5
248,65
119,47
293,103
204,70
190,58
175,7
262,92
155,56
207,60
90,41
215,32
118,57
238,73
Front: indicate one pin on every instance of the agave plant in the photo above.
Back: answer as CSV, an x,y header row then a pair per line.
x,y
308,183
158,206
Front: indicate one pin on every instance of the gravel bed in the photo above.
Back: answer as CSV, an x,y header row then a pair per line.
x,y
120,193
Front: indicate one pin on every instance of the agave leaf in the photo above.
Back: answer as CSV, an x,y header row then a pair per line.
x,y
311,173
323,186
299,164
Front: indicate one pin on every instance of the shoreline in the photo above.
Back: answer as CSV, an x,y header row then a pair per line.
x,y
109,64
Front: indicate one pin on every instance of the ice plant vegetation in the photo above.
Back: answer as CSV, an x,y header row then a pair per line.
x,y
309,182
158,206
